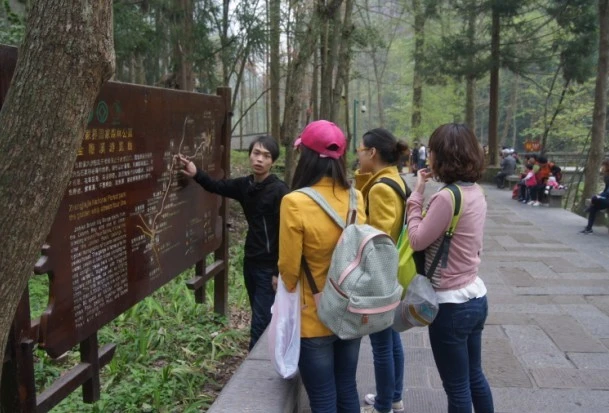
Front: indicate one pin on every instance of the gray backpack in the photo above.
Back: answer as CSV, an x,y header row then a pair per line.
x,y
362,289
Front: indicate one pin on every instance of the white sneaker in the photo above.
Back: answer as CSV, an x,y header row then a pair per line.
x,y
536,203
397,407
530,202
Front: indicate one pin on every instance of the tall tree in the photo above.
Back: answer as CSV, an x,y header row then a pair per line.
x,y
329,33
493,110
600,104
274,20
419,55
42,126
182,44
344,61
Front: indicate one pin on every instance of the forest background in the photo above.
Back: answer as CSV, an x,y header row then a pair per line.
x,y
514,70
411,64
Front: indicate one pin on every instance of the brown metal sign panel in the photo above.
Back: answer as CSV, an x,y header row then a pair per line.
x,y
128,223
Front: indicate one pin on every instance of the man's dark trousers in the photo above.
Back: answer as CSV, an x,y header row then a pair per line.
x,y
259,284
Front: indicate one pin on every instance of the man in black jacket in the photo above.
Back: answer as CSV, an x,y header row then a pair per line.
x,y
260,197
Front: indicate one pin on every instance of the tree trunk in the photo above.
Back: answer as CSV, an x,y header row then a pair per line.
x,y
182,53
314,102
470,102
330,34
344,61
470,82
600,105
493,110
42,124
274,18
225,55
294,86
417,77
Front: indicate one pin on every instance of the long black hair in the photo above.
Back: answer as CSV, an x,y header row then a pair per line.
x,y
312,167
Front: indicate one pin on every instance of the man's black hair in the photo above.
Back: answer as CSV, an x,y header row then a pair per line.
x,y
269,143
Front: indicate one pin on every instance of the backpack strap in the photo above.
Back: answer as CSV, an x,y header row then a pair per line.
x,y
442,253
321,201
309,276
396,187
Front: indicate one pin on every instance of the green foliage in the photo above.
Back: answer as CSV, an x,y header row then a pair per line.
x,y
578,39
573,122
170,351
12,25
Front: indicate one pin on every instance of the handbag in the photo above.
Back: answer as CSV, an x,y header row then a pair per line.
x,y
284,331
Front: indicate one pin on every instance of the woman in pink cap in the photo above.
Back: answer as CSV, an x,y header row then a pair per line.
x,y
327,364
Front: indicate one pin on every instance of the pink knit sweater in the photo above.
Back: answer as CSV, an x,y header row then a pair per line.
x,y
426,233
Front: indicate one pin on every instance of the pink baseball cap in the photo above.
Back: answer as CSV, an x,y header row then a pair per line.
x,y
323,137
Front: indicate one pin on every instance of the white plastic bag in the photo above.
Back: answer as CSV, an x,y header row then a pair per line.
x,y
284,331
419,307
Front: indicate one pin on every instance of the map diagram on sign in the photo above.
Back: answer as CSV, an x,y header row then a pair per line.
x,y
153,218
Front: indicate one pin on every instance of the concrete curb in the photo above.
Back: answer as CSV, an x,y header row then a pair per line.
x,y
257,388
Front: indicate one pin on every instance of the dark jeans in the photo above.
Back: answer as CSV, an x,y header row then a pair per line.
x,y
259,285
525,193
596,204
327,368
500,179
456,342
388,355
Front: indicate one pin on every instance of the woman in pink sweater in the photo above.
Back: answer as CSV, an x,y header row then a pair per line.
x,y
455,157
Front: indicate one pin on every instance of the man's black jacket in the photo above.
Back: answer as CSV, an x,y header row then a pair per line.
x,y
260,202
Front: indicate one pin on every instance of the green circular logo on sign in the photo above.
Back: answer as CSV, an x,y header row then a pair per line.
x,y
102,112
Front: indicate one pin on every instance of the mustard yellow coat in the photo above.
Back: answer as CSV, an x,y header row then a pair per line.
x,y
385,206
305,228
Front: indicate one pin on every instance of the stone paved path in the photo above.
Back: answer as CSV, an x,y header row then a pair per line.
x,y
546,342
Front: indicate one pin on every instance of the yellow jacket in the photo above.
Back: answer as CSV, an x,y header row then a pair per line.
x,y
305,229
385,206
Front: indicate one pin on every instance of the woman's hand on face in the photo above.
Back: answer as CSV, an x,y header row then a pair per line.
x,y
423,176
189,168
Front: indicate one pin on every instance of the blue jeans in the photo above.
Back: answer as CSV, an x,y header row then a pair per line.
x,y
327,367
597,204
456,342
259,284
388,355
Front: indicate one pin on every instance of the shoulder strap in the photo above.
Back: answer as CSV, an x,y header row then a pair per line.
x,y
442,253
310,280
321,201
457,198
394,185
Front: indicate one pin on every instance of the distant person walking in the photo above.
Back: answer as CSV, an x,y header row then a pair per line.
x,y
415,159
600,201
260,195
455,157
422,156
